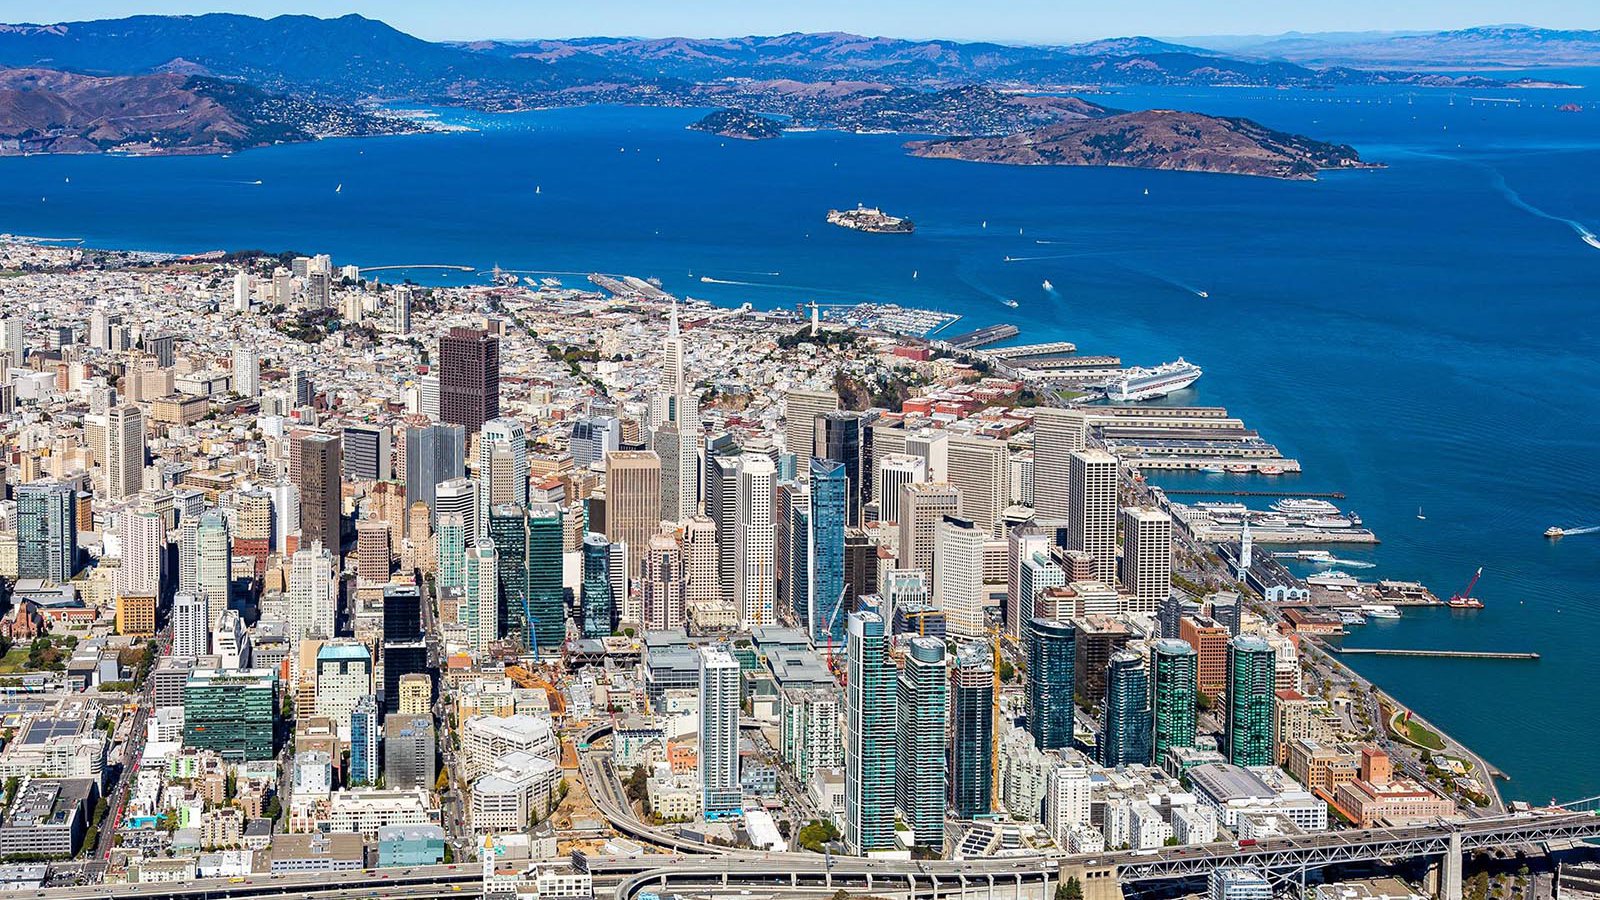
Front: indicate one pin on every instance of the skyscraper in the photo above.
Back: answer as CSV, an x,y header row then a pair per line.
x,y
678,445
364,759
124,461
1125,729
469,378
503,462
1052,650
978,467
1146,557
367,452
663,583
1092,508
895,471
869,763
633,498
191,627
482,613
144,537
1022,543
1252,668
1172,675
47,531
830,489
246,372
214,564
972,731
701,578
597,602
592,438
528,546
919,771
458,497
719,733
756,582
312,594
958,577
450,552
801,407
722,506
404,650
434,453
842,437
922,508
321,500
1057,434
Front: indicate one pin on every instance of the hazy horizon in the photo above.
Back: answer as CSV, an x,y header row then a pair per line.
x,y
1017,22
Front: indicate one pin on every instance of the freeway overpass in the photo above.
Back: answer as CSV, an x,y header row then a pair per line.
x,y
1286,858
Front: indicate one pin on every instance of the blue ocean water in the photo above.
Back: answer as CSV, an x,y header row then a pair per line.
x,y
1420,336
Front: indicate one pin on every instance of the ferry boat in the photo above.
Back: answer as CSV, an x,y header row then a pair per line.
x,y
1555,531
1329,522
1316,556
1305,506
1011,303
1352,617
1139,383
1048,286
1380,611
870,219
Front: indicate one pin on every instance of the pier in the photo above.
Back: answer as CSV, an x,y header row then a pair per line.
x,y
987,335
1439,654
1055,348
1323,495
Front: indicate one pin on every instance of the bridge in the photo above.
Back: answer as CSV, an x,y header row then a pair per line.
x,y
1285,859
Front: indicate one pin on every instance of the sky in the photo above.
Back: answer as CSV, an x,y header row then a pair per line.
x,y
1025,21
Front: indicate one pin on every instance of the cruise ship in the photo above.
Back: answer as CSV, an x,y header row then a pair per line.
x,y
870,218
1148,384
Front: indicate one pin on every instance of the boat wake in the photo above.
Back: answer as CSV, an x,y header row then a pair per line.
x,y
1015,259
707,279
1587,529
1584,234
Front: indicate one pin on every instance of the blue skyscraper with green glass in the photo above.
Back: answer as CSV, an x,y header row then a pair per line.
x,y
1252,680
529,543
972,732
1052,652
921,699
1173,672
598,605
1125,716
869,749
829,497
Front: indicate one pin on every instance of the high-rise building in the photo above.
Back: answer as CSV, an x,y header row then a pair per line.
x,y
932,446
47,530
321,500
1251,688
124,460
719,733
450,552
870,721
801,408
597,600
1092,507
232,713
313,595
408,752
482,612
919,771
1052,651
367,452
1057,434
1172,688
434,453
191,627
1210,642
144,537
458,497
1146,557
214,563
756,582
503,462
895,471
592,438
633,498
374,551
958,577
364,728
829,498
1125,728
701,558
922,507
662,586
528,544
972,731
246,372
469,377
791,516
343,677
978,468
1023,543
722,507
14,338
843,436
400,312
405,654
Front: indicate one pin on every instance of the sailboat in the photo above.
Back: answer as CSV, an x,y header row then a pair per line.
x,y
339,189
913,273
985,223
1147,192
1419,513
536,189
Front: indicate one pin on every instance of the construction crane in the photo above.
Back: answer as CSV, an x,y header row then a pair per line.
x,y
833,665
1465,598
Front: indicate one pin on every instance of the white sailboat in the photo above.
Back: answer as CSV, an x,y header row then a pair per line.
x,y
1419,513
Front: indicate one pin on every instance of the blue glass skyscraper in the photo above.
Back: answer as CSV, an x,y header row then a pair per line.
x,y
1126,728
1052,652
598,605
829,496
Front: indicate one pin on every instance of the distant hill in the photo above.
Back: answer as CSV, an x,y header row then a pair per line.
x,y
350,56
1509,46
1156,139
47,111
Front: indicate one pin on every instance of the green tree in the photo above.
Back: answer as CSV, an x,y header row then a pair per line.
x,y
1071,889
817,832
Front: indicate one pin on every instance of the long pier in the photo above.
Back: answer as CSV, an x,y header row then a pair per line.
x,y
1441,654
1326,495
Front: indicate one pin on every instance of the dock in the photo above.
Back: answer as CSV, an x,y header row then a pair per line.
x,y
989,334
1439,654
1022,351
1319,495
